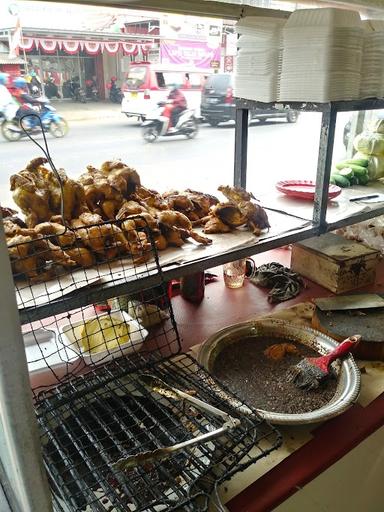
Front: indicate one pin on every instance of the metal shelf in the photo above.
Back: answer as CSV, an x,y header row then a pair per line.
x,y
318,226
102,292
337,106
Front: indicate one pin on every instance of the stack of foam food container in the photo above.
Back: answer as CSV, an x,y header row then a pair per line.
x,y
259,58
322,55
372,69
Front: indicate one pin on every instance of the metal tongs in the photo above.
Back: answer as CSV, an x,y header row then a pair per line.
x,y
159,386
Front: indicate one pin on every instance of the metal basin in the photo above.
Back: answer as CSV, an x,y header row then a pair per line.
x,y
348,386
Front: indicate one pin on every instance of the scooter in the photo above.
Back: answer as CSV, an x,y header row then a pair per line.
x,y
52,123
75,90
51,89
157,122
115,94
91,90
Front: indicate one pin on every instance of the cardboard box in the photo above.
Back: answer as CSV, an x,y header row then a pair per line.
x,y
335,263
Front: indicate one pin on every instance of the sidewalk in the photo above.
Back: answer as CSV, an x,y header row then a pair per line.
x,y
76,111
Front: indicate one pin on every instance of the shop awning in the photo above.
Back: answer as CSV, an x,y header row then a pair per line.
x,y
4,59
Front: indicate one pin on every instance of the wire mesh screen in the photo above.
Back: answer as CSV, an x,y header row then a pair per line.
x,y
135,325
90,423
52,261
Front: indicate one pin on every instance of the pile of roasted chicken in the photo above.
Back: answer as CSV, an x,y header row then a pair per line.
x,y
107,213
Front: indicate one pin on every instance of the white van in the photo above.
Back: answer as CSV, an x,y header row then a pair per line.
x,y
147,84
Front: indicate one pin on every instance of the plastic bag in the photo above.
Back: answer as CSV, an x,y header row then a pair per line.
x,y
370,143
375,167
370,232
376,126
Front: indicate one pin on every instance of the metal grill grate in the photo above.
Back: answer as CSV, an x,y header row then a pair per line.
x,y
94,420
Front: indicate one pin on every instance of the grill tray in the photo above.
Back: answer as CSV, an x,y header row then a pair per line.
x,y
90,422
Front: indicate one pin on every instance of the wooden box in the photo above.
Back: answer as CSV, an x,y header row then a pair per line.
x,y
335,263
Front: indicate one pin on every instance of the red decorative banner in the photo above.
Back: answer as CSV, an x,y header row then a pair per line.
x,y
48,45
130,48
71,46
93,47
112,47
145,47
27,43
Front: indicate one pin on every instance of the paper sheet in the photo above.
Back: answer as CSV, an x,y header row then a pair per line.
x,y
43,293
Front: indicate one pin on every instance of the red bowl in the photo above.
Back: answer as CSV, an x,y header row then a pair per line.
x,y
304,189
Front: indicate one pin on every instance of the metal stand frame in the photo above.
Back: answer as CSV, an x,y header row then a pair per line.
x,y
22,475
328,123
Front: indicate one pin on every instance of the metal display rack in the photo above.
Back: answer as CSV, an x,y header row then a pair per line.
x,y
318,226
91,459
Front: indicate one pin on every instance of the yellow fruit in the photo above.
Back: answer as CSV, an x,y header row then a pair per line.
x,y
104,334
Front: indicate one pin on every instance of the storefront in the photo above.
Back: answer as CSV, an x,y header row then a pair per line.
x,y
61,60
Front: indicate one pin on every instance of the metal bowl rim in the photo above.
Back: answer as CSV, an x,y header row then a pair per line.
x,y
350,392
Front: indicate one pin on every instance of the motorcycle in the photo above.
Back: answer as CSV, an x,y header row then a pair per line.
x,y
91,90
157,122
50,88
51,121
75,91
115,94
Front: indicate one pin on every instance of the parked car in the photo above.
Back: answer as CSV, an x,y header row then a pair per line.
x,y
218,103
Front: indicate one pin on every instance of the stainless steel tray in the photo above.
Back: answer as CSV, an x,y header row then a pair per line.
x,y
348,386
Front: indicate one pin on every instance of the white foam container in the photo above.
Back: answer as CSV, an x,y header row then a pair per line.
x,y
137,336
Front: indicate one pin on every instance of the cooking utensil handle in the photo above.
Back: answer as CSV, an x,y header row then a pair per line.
x,y
162,453
202,405
361,198
344,348
201,439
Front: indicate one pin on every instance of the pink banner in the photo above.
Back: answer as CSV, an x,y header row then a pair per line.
x,y
188,53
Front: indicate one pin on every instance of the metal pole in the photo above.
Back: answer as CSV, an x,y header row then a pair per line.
x,y
241,147
324,163
22,474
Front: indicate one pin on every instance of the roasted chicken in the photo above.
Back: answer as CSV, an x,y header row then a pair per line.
x,y
38,193
176,228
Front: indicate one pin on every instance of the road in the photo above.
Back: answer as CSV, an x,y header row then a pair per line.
x,y
277,150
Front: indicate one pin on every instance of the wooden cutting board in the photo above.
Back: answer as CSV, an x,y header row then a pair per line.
x,y
369,323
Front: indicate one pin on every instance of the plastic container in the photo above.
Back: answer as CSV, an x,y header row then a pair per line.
x,y
137,334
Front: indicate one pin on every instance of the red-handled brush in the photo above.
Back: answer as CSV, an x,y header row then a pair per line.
x,y
312,371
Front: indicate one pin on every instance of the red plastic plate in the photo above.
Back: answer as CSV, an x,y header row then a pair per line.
x,y
304,189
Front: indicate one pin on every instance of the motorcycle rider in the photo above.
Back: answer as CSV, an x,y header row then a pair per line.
x,y
114,91
25,101
8,106
34,83
179,104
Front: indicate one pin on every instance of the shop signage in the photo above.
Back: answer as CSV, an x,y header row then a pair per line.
x,y
214,64
189,53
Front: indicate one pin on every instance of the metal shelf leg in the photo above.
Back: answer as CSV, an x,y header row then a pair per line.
x,y
324,163
241,148
22,473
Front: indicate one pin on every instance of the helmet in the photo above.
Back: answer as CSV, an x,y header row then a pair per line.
x,y
19,82
3,78
113,78
174,86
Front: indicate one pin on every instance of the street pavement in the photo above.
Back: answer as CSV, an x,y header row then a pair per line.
x,y
92,110
277,150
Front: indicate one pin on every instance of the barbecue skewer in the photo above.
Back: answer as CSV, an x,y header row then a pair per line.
x,y
159,386
312,371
